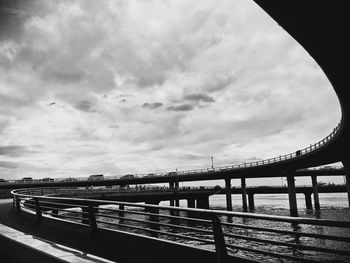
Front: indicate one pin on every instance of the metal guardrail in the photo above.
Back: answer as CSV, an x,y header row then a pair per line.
x,y
227,233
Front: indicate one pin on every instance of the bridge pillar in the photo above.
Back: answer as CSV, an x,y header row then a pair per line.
x,y
172,200
191,203
244,195
203,202
251,201
308,200
292,194
347,178
228,194
177,201
315,192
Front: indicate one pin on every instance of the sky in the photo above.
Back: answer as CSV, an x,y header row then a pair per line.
x,y
146,86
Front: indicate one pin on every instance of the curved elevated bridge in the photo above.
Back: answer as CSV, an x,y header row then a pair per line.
x,y
175,178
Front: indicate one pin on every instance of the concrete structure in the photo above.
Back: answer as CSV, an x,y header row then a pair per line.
x,y
173,182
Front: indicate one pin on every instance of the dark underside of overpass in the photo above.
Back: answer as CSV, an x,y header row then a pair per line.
x,y
321,27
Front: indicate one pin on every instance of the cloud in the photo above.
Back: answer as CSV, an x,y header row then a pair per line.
x,y
3,123
12,14
118,59
199,97
152,106
219,82
182,107
8,165
85,105
12,150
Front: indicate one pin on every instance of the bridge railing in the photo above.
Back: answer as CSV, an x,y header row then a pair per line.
x,y
77,191
255,236
280,158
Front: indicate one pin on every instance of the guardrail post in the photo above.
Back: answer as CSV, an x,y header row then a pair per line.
x,y
38,210
92,219
18,203
220,246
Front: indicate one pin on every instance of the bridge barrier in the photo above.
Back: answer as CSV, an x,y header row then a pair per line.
x,y
226,233
281,158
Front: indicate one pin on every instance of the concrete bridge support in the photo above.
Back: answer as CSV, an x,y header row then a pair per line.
x,y
191,203
203,202
177,201
244,195
347,178
292,194
251,201
171,201
315,192
228,194
308,200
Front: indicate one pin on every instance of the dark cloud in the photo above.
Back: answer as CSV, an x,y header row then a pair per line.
x,y
85,105
8,165
68,77
219,82
3,124
10,20
199,97
152,106
150,78
193,157
12,150
182,107
114,126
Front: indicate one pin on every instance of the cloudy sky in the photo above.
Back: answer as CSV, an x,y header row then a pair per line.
x,y
140,86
